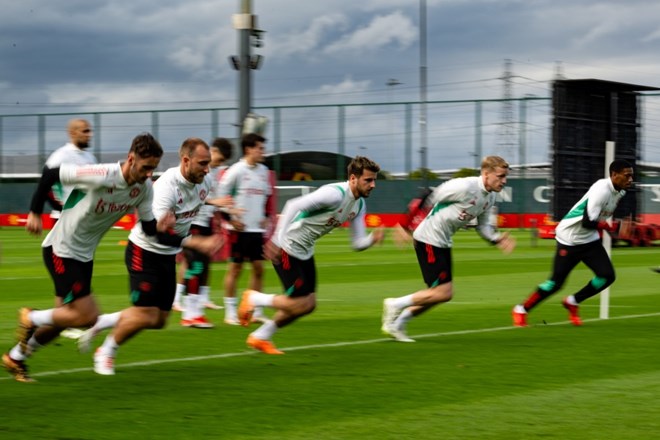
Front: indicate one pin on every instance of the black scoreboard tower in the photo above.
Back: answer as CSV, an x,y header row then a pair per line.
x,y
586,114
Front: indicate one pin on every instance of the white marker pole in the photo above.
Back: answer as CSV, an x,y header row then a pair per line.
x,y
607,239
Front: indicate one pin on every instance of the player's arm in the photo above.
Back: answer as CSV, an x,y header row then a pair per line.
x,y
503,240
591,218
49,177
360,240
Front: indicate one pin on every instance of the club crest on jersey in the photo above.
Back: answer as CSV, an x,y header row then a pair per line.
x,y
202,194
135,192
179,197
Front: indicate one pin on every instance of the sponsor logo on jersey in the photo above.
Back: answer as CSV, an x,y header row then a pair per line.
x,y
104,207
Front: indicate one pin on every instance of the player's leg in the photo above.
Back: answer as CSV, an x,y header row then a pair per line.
x,y
596,259
180,291
299,280
435,264
565,260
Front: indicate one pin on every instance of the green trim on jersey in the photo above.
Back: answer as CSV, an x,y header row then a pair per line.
x,y
340,189
438,206
578,211
76,196
307,214
361,205
58,188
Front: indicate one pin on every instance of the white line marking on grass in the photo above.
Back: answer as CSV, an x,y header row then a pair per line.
x,y
313,346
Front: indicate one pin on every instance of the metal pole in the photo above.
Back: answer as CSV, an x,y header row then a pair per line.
x,y
244,88
422,89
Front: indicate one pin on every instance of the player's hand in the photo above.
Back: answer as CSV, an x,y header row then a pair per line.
x,y
166,222
221,202
401,236
208,245
507,243
33,224
272,252
238,225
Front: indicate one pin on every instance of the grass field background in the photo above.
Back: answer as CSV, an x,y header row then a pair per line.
x,y
470,375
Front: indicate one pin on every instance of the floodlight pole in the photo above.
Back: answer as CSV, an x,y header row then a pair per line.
x,y
422,91
246,25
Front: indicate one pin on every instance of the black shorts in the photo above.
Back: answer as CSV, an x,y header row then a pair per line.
x,y
298,276
435,263
246,246
152,277
72,278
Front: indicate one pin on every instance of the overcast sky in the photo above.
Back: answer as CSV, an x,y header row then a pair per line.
x,y
74,55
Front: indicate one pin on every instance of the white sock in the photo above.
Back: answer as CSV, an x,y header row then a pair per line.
x,y
106,321
266,331
109,347
192,306
262,299
403,301
204,294
41,317
571,300
258,312
403,318
519,309
230,307
16,354
180,290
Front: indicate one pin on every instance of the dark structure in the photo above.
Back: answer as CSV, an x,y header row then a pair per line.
x,y
586,114
309,165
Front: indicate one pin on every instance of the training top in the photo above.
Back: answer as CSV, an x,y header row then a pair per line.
x,y
599,202
172,192
69,154
205,215
250,188
307,218
99,199
455,203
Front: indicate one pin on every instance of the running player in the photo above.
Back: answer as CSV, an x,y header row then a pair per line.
x,y
192,295
450,207
578,240
102,194
291,249
180,192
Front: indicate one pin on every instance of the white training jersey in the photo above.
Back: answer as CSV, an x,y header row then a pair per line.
x,y
99,199
250,188
307,218
69,154
206,212
455,203
599,202
172,192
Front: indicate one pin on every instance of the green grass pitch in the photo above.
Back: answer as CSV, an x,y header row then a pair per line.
x,y
470,375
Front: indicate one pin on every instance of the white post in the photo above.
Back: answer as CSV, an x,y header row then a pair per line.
x,y
607,239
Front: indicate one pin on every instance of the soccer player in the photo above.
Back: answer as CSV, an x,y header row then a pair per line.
x,y
291,249
248,182
101,195
193,288
180,191
578,240
450,207
73,152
